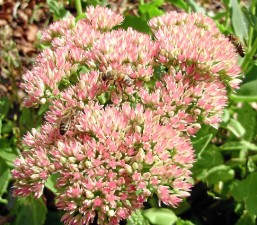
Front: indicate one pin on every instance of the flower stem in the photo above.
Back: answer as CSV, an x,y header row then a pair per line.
x,y
251,30
78,7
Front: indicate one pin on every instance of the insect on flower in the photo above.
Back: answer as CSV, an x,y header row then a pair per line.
x,y
238,44
120,77
65,121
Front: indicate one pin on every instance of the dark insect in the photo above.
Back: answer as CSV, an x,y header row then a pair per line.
x,y
122,78
127,80
239,45
65,122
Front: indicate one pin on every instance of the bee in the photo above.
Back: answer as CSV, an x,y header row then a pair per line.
x,y
120,77
127,80
238,44
65,122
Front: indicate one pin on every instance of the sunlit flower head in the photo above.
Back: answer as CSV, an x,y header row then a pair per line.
x,y
122,108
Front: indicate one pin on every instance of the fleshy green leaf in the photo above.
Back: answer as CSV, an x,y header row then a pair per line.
x,y
201,144
247,118
238,145
8,154
137,23
236,128
151,9
160,216
180,4
238,20
195,6
245,219
245,191
219,173
246,93
33,213
137,218
5,176
4,107
184,222
51,181
27,119
252,19
211,157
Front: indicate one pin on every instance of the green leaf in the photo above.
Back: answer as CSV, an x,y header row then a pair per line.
x,y
211,157
195,6
180,4
247,92
137,23
43,109
33,213
160,216
219,173
238,145
57,9
238,20
201,144
27,119
246,116
245,219
252,19
184,222
50,183
235,127
182,207
7,127
4,107
137,218
245,191
248,89
8,154
151,9
5,176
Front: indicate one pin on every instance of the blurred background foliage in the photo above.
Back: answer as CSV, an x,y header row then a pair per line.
x,y
225,173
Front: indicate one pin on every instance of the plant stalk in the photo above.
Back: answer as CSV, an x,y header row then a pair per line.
x,y
78,7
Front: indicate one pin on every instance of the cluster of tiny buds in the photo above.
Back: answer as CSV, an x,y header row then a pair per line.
x,y
123,106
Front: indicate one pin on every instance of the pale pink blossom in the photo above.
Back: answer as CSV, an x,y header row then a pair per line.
x,y
122,109
101,18
193,39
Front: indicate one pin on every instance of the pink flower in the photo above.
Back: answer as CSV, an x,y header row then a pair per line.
x,y
101,18
122,109
194,39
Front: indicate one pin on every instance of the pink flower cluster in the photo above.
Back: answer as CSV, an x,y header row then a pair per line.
x,y
123,106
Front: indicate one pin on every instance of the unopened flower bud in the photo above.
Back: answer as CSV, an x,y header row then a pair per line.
x,y
88,164
72,160
63,160
42,101
118,155
135,166
128,168
90,194
140,155
111,213
138,129
48,93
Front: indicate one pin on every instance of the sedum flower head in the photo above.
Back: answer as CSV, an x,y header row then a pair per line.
x,y
193,39
123,106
